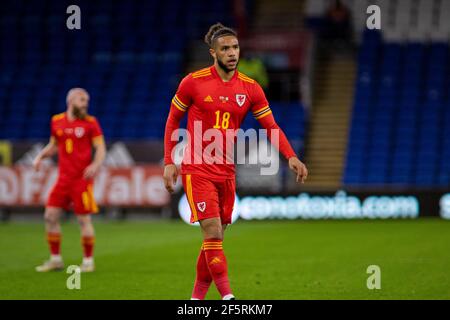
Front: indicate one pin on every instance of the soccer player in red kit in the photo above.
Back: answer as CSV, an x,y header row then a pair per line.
x,y
73,134
218,98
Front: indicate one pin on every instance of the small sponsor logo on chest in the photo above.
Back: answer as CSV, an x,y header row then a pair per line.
x,y
240,99
208,99
77,131
223,99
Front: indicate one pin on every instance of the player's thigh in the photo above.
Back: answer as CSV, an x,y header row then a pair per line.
x,y
82,196
202,195
227,192
59,196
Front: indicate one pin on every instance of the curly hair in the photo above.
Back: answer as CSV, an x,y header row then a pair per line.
x,y
216,31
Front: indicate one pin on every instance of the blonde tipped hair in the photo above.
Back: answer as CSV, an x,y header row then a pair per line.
x,y
73,92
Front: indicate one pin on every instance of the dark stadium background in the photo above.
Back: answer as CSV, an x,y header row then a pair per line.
x,y
368,111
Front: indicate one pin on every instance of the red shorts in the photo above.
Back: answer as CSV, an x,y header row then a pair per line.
x,y
78,193
209,198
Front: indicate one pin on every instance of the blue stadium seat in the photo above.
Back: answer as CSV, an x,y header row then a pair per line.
x,y
130,63
401,114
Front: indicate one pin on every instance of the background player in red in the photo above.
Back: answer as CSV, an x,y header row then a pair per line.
x,y
218,98
73,134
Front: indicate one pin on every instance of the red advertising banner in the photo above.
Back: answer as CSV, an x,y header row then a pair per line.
x,y
133,186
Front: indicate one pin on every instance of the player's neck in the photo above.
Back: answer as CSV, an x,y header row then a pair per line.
x,y
225,76
70,116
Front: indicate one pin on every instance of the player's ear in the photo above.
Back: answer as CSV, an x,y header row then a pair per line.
x,y
212,52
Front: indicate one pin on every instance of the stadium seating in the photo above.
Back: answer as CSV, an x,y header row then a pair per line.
x,y
400,132
128,55
415,20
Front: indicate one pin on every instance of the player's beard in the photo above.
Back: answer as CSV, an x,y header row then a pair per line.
x,y
224,67
79,112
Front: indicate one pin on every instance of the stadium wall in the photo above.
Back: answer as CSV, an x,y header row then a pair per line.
x,y
340,204
131,180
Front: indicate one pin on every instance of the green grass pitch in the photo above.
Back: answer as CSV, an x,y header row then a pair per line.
x,y
267,260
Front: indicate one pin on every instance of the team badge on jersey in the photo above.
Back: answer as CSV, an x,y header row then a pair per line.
x,y
240,99
201,206
79,132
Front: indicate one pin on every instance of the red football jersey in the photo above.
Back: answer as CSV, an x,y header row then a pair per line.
x,y
220,105
74,139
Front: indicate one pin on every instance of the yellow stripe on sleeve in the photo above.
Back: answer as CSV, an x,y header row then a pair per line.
x,y
264,114
98,140
259,110
178,105
181,102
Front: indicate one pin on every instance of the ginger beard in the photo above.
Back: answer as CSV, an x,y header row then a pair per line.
x,y
79,104
79,112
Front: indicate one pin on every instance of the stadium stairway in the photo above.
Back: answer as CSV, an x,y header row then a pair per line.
x,y
329,120
266,16
268,13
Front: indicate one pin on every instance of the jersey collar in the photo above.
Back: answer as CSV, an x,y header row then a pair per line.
x,y
227,83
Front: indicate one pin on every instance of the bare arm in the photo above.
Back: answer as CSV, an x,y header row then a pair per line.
x,y
49,151
99,157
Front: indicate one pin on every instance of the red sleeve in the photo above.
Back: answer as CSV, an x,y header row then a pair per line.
x,y
263,113
52,129
96,129
258,100
183,97
180,103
